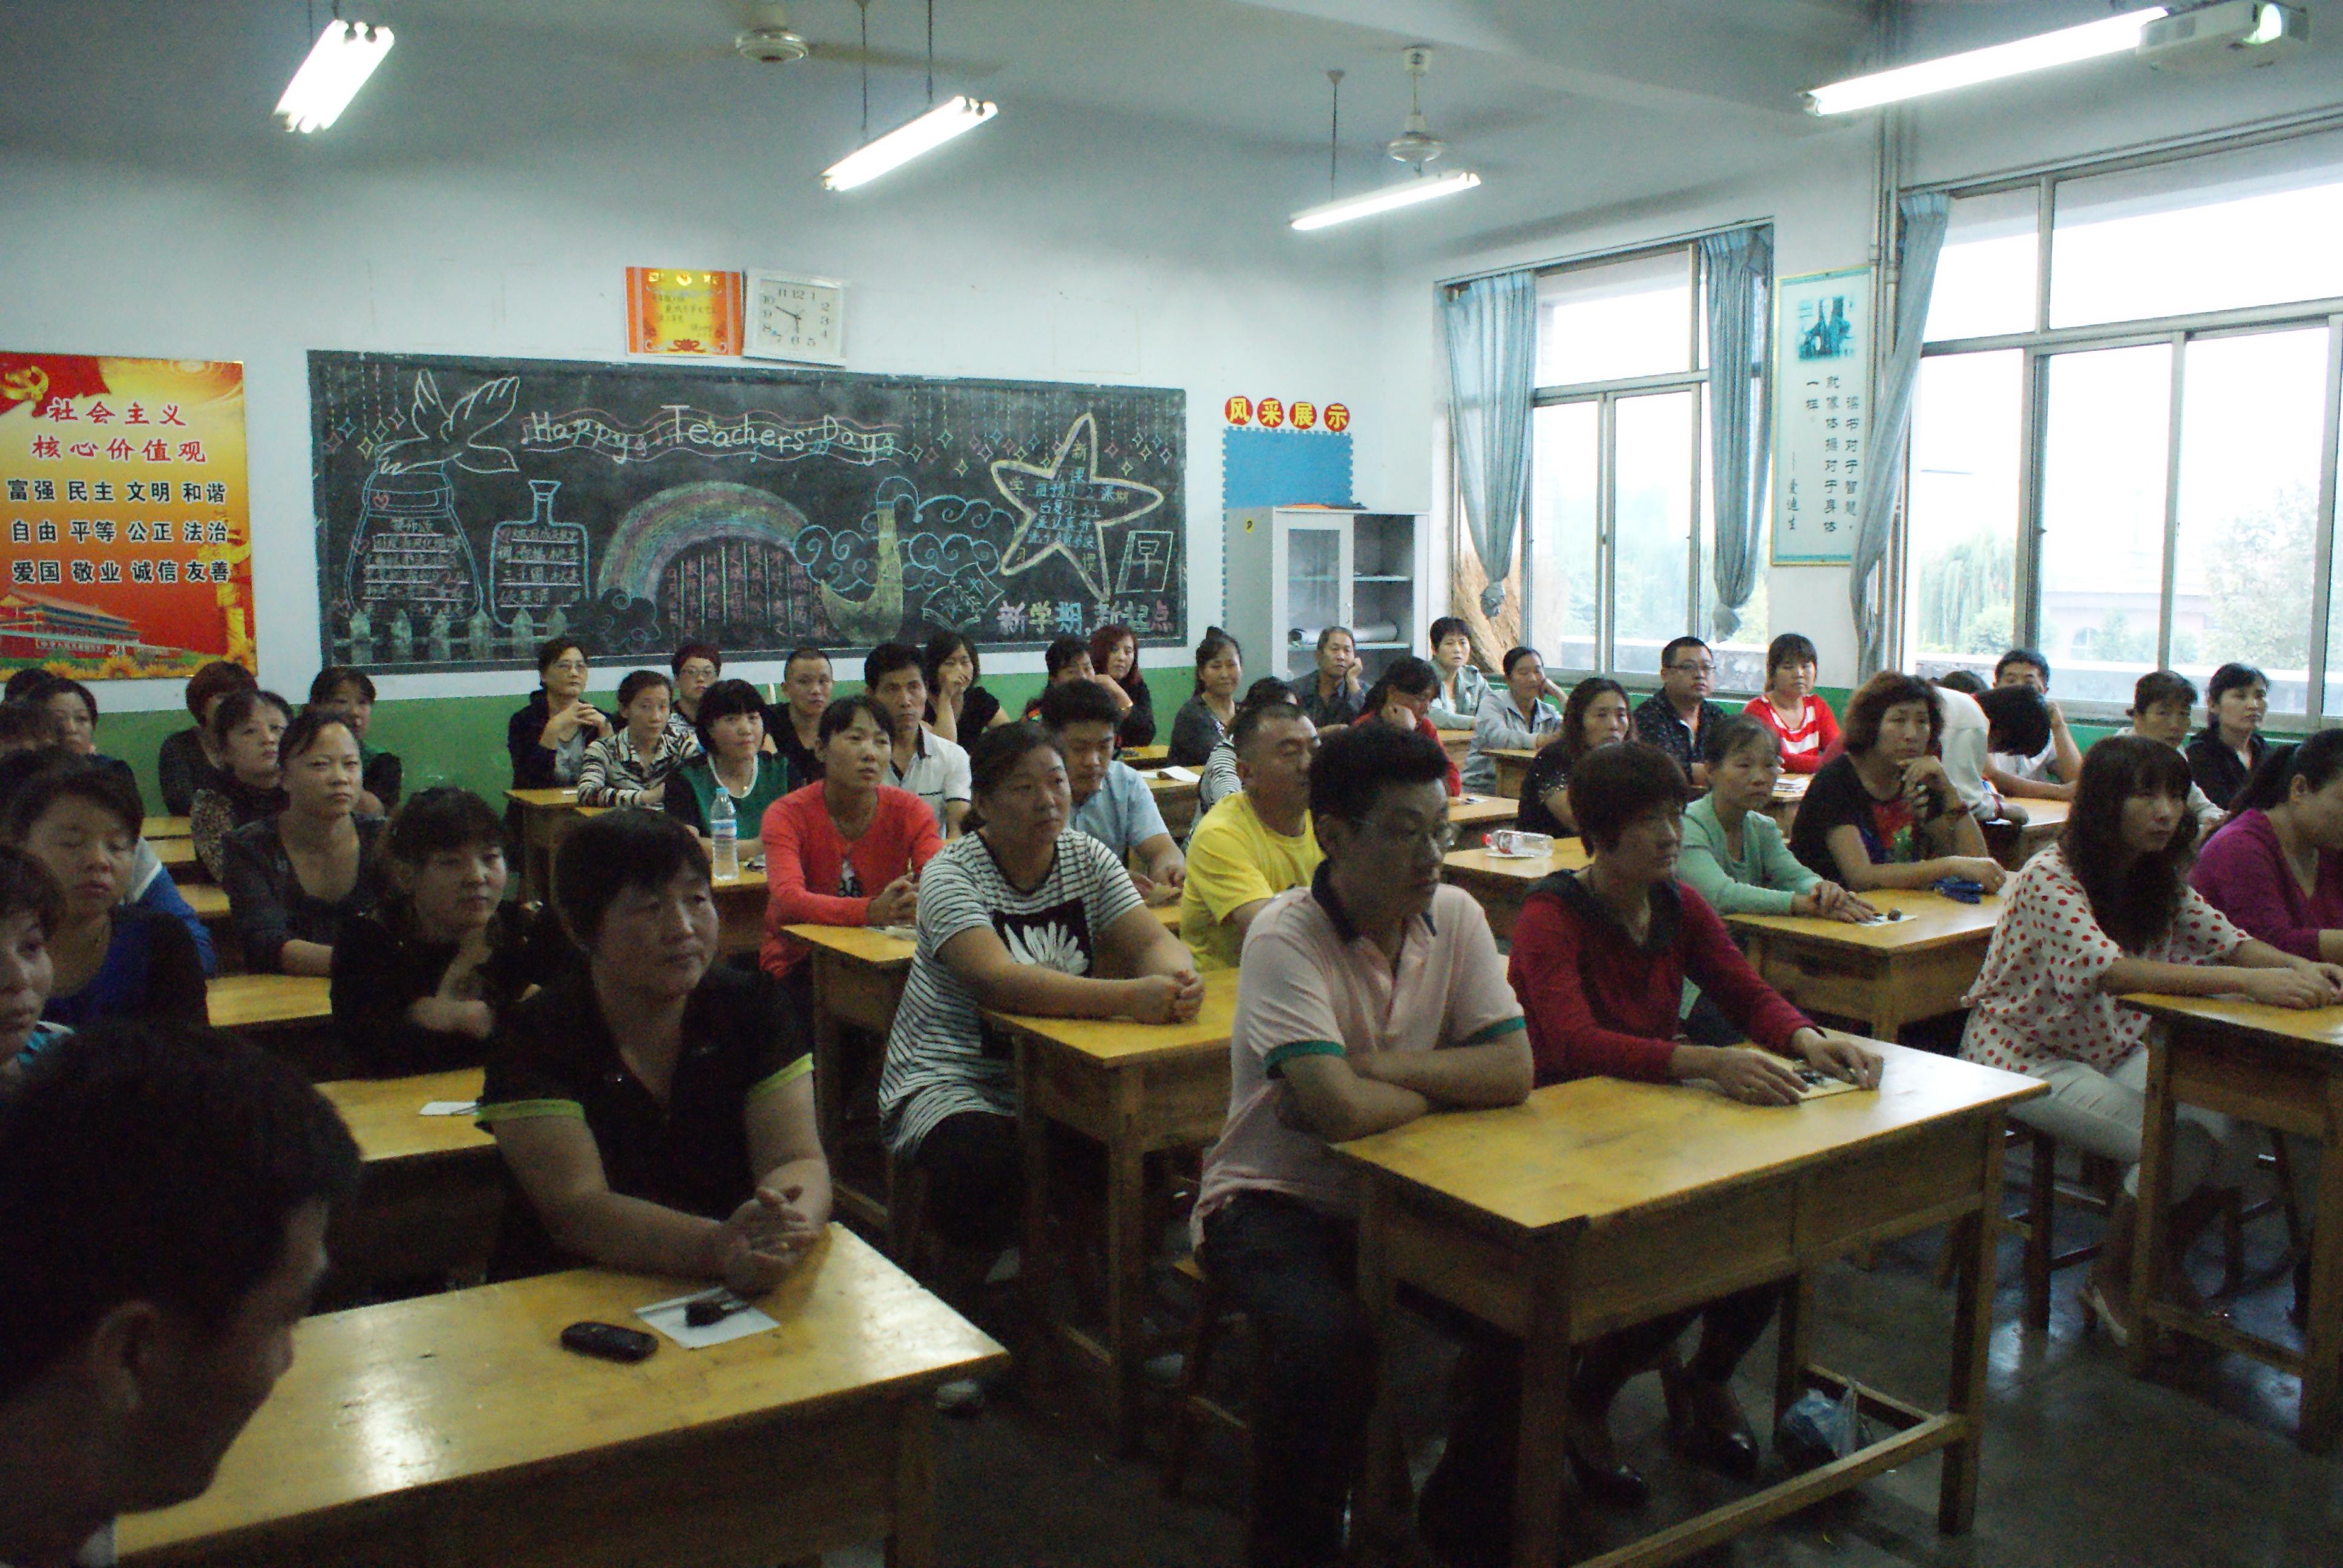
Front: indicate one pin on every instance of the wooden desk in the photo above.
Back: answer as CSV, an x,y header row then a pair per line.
x,y
1145,757
2279,1068
1501,883
255,1004
454,1429
433,1188
1457,743
1789,790
1513,767
178,855
1882,976
2013,846
1473,815
1136,1089
163,827
545,816
1176,798
1600,1203
857,978
741,911
208,901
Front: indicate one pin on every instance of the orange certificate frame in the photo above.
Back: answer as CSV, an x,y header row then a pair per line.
x,y
679,310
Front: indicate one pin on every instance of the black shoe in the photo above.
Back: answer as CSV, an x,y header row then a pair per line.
x,y
1620,1485
1729,1450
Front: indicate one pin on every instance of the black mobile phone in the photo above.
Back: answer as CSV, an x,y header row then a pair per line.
x,y
607,1341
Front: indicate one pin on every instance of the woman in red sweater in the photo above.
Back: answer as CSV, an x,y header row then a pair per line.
x,y
1788,706
846,850
1403,699
1599,960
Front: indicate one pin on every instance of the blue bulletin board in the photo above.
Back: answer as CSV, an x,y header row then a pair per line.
x,y
1285,468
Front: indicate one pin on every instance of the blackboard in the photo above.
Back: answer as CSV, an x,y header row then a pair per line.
x,y
466,509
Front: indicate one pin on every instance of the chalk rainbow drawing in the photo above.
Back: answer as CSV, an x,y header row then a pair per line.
x,y
661,526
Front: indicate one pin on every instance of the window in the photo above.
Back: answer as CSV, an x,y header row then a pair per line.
x,y
1616,557
2126,422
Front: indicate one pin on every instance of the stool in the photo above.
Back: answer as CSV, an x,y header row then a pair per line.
x,y
1191,1406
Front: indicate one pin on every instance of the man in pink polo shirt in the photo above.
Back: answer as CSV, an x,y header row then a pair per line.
x,y
1364,1001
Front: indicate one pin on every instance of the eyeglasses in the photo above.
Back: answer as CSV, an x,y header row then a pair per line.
x,y
1693,668
1439,841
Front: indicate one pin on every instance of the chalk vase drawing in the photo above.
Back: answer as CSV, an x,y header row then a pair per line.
x,y
410,552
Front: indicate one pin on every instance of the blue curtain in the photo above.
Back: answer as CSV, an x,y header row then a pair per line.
x,y
1891,426
1490,325
1740,423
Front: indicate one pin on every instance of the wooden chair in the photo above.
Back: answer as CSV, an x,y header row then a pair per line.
x,y
1191,1407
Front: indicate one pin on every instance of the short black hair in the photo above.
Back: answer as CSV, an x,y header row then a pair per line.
x,y
605,856
688,651
839,716
1790,647
27,889
42,779
1210,646
1074,702
994,755
1407,675
65,685
1254,714
553,648
1062,651
1615,785
2162,686
1449,626
887,659
2233,677
1514,656
2023,656
439,820
803,650
2017,718
1730,734
641,680
1348,775
941,647
25,725
152,1161
1675,645
724,698
240,706
327,686
215,681
308,724
25,685
1968,681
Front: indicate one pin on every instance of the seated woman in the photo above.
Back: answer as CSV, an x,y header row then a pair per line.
x,y
2276,867
1402,698
1462,684
2106,911
1600,957
546,739
2230,746
1217,780
1801,722
1734,856
185,762
1884,813
382,777
74,708
847,849
31,907
293,879
655,1107
695,667
419,984
1514,717
958,707
630,766
1031,915
1203,720
110,959
148,886
1594,714
732,757
1114,664
246,727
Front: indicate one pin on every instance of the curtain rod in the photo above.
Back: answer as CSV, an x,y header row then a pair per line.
x,y
1618,253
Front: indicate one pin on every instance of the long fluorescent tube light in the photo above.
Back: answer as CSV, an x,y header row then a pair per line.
x,y
952,117
1407,193
344,57
2114,36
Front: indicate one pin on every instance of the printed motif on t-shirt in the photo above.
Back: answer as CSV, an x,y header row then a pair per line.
x,y
1057,938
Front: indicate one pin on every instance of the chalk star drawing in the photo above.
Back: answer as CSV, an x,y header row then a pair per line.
x,y
1066,508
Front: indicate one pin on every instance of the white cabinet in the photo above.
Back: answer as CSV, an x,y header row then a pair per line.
x,y
1292,571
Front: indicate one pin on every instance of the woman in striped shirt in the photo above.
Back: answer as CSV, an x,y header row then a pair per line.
x,y
630,766
1788,706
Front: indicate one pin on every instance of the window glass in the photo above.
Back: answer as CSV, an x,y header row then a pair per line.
x,y
1961,511
2105,444
1652,525
1984,275
1614,320
1565,584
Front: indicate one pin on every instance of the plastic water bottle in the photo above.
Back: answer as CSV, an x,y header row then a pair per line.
x,y
724,828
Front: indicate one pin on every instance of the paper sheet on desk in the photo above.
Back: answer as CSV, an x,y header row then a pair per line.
x,y
1185,775
667,1317
449,1107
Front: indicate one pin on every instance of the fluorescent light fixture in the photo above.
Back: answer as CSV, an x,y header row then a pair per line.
x,y
898,146
1407,193
2115,36
345,56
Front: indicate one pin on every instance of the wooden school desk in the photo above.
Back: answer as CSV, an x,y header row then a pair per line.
x,y
433,1186
455,1429
858,978
1136,1089
1176,798
545,816
1145,757
1473,816
1513,767
1882,976
1789,789
1499,883
1600,1204
1458,744
255,1004
179,855
163,827
2277,1068
2013,846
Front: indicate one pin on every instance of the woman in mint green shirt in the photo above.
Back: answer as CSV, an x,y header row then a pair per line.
x,y
733,758
1734,856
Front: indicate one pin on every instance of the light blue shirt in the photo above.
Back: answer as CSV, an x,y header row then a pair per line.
x,y
1123,814
1502,726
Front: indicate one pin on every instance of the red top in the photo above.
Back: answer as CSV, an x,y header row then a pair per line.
x,y
1430,731
1804,744
1600,1004
813,877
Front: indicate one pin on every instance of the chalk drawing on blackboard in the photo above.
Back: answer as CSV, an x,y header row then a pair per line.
x,y
681,429
1066,508
954,573
719,557
536,563
1146,562
410,554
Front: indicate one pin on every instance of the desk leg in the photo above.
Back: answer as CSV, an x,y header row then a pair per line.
x,y
1034,1268
1380,1499
2154,1204
828,1055
912,1543
1545,1408
1972,1335
1127,1251
2322,1348
1794,1344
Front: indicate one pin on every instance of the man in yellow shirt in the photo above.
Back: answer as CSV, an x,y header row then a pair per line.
x,y
1256,843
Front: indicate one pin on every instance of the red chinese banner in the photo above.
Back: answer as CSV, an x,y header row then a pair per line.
x,y
121,484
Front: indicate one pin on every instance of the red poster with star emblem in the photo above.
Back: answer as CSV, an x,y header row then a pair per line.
x,y
129,527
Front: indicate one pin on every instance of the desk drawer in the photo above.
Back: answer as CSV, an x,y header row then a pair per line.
x,y
1891,1189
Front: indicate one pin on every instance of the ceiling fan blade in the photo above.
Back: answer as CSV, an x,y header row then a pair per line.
x,y
906,60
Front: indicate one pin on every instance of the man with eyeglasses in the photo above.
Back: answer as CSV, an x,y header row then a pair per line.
x,y
1676,718
1368,998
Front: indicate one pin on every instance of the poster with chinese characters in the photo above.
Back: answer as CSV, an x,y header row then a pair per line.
x,y
1822,416
129,528
677,310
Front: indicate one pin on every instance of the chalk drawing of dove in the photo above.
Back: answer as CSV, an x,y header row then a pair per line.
x,y
444,435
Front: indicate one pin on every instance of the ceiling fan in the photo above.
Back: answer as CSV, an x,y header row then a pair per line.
x,y
767,39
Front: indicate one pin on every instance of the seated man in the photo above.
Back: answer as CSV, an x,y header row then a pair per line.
x,y
924,763
2046,772
156,1261
1112,801
1256,843
1369,997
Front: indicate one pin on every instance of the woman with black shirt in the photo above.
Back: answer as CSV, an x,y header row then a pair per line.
x,y
1595,714
246,727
